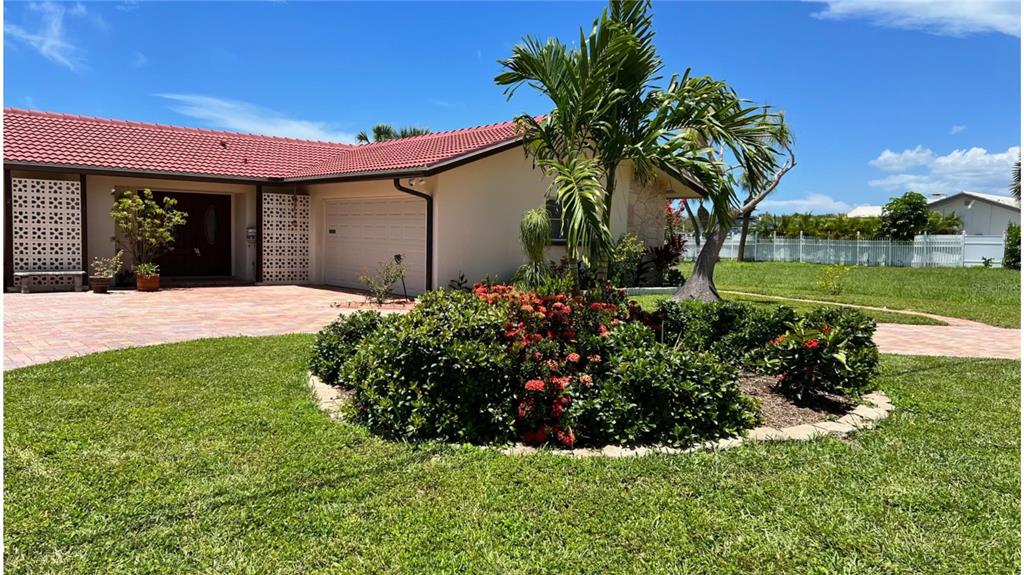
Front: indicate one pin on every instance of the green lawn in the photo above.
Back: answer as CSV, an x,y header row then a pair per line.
x,y
209,456
988,295
649,301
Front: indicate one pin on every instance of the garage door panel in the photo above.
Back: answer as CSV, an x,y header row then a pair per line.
x,y
367,232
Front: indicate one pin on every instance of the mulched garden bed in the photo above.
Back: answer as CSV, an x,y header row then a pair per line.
x,y
779,411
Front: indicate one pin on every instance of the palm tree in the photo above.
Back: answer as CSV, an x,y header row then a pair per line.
x,y
384,132
608,110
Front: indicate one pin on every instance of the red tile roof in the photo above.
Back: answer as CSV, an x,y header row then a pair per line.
x,y
32,137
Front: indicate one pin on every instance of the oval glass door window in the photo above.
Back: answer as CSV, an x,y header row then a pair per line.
x,y
211,225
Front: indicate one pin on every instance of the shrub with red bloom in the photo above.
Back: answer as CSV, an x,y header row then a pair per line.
x,y
812,343
595,358
586,380
573,357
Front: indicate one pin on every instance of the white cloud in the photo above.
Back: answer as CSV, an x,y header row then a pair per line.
x,y
138,60
956,129
974,169
891,161
942,17
49,37
245,117
812,203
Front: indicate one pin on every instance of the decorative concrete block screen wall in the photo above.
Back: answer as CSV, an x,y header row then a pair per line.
x,y
46,229
285,238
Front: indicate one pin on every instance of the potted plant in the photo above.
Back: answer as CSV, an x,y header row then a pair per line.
x,y
145,229
147,277
104,270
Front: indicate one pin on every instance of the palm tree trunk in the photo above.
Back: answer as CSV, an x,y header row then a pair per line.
x,y
697,230
743,237
701,283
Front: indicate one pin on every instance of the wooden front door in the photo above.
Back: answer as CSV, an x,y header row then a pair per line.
x,y
202,246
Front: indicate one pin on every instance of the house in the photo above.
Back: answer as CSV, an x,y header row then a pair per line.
x,y
982,214
865,211
277,210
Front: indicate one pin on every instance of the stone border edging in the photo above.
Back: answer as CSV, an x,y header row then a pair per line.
x,y
329,399
651,290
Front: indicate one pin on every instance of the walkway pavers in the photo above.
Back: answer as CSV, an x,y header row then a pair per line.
x,y
42,327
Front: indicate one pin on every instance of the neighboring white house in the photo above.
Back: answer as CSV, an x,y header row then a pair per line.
x,y
982,214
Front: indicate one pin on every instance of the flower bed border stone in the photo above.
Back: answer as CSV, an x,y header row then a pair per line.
x,y
864,416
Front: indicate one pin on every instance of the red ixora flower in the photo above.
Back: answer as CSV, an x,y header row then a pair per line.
x,y
594,358
826,328
535,385
573,357
552,365
586,380
525,407
778,340
812,343
559,383
565,436
557,410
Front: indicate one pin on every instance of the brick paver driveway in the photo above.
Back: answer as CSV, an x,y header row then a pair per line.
x,y
46,326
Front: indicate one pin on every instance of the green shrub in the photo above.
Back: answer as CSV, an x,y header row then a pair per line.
x,y
627,261
1011,251
651,393
731,330
383,281
442,371
829,350
337,342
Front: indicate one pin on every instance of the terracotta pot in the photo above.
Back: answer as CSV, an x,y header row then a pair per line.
x,y
147,283
99,284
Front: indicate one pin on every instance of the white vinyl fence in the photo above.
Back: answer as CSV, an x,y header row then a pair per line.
x,y
924,251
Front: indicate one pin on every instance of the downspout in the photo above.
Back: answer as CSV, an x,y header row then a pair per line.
x,y
430,228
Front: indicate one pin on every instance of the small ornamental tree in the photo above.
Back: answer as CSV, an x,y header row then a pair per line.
x,y
904,217
1011,250
144,227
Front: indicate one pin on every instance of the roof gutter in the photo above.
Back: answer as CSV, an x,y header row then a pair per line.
x,y
429,279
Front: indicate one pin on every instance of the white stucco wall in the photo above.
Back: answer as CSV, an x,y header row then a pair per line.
x,y
980,217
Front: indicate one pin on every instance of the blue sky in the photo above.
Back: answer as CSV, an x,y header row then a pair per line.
x,y
882,96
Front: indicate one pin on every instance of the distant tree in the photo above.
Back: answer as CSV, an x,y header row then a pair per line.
x,y
385,132
940,224
1011,252
904,217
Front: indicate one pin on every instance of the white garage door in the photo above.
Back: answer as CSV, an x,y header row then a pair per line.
x,y
363,232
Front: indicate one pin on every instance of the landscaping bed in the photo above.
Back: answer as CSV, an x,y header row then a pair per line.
x,y
502,365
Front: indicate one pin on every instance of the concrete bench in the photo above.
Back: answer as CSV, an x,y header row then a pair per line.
x,y
76,276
